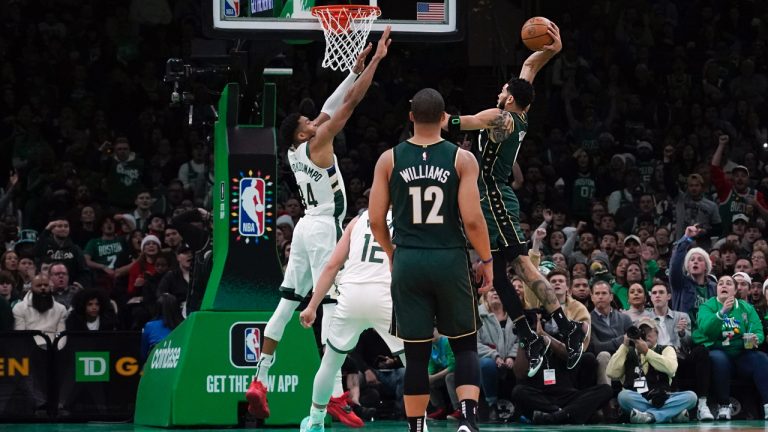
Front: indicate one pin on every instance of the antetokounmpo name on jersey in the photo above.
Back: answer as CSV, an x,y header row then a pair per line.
x,y
308,170
425,172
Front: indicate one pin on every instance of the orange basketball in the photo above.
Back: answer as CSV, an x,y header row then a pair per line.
x,y
534,33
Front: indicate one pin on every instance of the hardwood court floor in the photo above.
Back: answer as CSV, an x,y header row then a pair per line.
x,y
393,426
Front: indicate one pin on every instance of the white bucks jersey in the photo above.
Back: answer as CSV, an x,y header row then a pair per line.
x,y
322,189
367,262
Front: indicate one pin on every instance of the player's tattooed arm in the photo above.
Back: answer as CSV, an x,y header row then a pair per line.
x,y
501,126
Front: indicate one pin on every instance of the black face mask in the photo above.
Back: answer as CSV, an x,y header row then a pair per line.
x,y
42,302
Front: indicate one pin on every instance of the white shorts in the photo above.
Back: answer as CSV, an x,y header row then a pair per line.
x,y
313,241
360,307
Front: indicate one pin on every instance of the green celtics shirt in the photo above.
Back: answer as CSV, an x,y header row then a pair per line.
x,y
424,191
104,251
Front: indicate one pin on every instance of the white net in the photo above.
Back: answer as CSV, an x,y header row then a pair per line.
x,y
346,30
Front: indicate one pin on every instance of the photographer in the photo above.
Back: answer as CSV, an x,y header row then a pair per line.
x,y
646,370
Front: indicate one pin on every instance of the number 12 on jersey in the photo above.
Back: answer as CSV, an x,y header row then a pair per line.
x,y
419,197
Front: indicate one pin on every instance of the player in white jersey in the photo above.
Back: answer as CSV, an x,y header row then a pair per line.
x,y
314,165
364,302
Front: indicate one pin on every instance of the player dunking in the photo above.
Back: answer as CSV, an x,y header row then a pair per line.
x,y
498,151
364,302
432,186
315,167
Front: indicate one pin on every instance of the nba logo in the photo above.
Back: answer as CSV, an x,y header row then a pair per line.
x,y
231,8
251,220
252,344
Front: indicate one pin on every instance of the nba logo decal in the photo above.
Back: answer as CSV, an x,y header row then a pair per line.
x,y
245,339
232,8
251,220
252,344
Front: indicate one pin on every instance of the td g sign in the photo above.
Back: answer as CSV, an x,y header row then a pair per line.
x,y
94,366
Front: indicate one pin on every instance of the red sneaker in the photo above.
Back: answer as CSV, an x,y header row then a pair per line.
x,y
456,415
438,414
339,408
257,400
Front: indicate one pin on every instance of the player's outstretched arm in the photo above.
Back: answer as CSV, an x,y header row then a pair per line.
x,y
488,119
472,215
379,203
335,100
327,276
321,146
537,60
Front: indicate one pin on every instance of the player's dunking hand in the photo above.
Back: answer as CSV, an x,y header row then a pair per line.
x,y
557,44
307,317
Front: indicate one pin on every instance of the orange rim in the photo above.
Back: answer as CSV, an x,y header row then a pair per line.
x,y
338,9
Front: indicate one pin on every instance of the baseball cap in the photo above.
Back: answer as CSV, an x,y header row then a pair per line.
x,y
740,217
740,167
646,321
744,275
632,237
644,145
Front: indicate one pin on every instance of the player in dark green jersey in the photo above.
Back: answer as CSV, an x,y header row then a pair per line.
x,y
504,128
432,186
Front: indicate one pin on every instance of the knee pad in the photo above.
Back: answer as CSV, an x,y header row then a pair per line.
x,y
467,361
416,379
279,319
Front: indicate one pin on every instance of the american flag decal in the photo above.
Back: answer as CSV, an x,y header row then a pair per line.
x,y
430,11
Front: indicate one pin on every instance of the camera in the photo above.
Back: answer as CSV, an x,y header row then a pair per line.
x,y
634,333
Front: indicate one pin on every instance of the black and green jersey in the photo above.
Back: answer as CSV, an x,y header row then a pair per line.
x,y
424,191
496,159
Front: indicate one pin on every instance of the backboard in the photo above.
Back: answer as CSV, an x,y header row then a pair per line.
x,y
434,20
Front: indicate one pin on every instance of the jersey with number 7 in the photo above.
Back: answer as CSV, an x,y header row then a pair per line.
x,y
424,189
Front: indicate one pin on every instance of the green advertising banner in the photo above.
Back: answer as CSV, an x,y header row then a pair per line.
x,y
199,375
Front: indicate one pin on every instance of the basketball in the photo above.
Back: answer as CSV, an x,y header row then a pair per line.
x,y
534,33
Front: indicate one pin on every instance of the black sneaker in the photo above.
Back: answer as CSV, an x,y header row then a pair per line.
x,y
536,349
574,342
464,426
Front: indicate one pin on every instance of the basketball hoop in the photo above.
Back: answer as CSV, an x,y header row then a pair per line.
x,y
346,29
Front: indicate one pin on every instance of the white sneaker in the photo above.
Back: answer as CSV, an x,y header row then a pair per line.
x,y
639,417
681,417
765,411
704,413
724,412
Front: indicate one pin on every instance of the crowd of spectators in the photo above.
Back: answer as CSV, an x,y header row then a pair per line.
x,y
648,136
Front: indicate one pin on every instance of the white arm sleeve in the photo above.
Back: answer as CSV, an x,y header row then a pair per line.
x,y
337,97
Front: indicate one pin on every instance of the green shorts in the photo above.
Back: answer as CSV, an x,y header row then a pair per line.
x,y
432,287
502,215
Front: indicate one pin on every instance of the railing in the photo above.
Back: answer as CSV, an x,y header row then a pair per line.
x,y
78,376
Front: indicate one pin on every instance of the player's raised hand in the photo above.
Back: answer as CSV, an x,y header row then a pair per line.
x,y
360,62
384,41
307,317
557,44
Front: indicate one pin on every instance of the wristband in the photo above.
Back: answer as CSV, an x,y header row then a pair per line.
x,y
454,125
488,261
